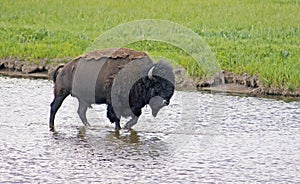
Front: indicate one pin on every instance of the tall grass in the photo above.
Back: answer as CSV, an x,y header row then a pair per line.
x,y
258,37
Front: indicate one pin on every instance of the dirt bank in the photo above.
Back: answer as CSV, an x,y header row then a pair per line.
x,y
245,84
18,68
222,81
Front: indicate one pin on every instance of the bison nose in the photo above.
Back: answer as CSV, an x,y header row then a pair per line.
x,y
165,102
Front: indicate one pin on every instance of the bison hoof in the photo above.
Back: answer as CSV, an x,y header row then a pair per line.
x,y
87,124
128,128
117,127
52,129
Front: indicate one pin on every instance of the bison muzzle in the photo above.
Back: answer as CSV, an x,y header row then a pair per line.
x,y
126,80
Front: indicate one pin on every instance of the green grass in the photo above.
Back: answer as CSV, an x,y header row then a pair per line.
x,y
258,37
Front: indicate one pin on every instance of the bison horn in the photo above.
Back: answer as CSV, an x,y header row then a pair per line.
x,y
165,103
150,75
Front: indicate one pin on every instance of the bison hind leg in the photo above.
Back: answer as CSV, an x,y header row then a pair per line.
x,y
82,108
55,105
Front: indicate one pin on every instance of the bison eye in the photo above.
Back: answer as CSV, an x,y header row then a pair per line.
x,y
157,88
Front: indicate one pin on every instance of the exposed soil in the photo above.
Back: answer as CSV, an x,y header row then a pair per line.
x,y
17,68
222,81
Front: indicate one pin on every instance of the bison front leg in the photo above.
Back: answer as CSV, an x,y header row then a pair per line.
x,y
134,119
131,122
82,108
111,115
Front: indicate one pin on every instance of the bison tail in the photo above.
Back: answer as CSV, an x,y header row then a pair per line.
x,y
55,72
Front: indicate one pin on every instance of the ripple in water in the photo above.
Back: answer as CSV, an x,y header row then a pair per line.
x,y
200,137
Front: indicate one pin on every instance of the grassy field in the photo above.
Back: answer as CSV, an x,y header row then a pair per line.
x,y
260,37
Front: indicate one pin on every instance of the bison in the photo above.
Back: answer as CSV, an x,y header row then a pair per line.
x,y
126,80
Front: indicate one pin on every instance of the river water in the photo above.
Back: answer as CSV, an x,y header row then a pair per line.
x,y
198,138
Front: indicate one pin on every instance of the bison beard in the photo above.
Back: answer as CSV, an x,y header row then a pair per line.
x,y
146,91
125,80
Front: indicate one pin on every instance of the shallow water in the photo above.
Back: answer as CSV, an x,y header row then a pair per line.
x,y
199,137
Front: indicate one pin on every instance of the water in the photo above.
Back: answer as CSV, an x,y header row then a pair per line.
x,y
199,138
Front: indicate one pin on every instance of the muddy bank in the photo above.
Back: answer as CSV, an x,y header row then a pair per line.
x,y
222,81
245,84
18,68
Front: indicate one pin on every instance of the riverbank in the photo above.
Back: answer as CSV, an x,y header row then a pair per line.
x,y
251,37
222,81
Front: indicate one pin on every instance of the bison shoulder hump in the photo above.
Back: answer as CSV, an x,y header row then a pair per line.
x,y
113,53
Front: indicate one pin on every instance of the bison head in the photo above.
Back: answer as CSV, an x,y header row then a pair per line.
x,y
161,82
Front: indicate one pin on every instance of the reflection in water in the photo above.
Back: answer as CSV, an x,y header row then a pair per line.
x,y
123,144
111,137
127,136
132,137
81,132
254,140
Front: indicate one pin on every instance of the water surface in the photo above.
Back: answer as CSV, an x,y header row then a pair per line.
x,y
200,137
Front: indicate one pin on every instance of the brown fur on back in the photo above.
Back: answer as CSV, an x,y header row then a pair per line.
x,y
114,60
113,53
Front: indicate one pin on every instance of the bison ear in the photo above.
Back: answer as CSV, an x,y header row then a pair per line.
x,y
150,73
